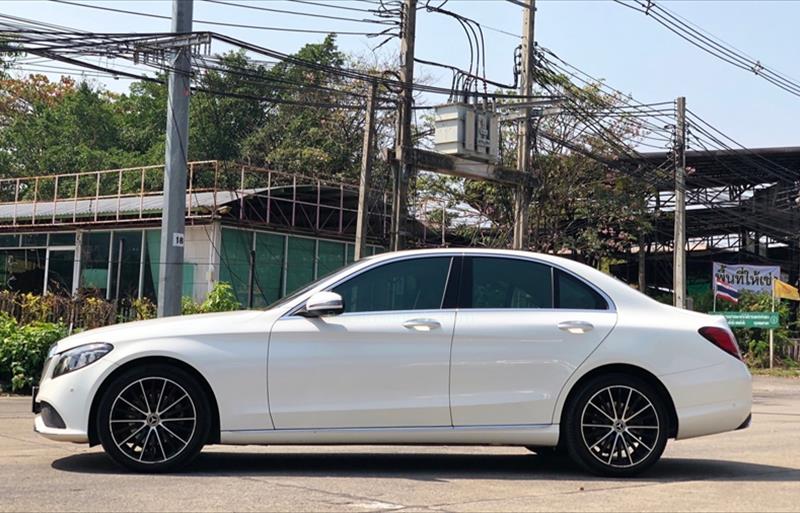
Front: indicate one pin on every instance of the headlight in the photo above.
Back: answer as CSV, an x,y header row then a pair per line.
x,y
80,357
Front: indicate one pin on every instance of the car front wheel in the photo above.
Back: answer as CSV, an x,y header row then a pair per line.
x,y
617,425
153,418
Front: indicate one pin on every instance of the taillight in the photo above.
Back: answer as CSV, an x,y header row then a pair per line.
x,y
723,339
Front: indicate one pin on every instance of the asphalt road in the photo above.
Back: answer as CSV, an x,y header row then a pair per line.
x,y
757,469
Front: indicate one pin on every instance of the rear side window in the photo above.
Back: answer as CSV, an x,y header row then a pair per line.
x,y
575,294
414,284
506,283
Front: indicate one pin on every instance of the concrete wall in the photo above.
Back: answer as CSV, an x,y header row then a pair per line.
x,y
200,253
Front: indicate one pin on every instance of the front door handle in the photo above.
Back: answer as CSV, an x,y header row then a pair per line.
x,y
422,324
575,327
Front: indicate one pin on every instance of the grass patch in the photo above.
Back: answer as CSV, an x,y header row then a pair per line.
x,y
777,373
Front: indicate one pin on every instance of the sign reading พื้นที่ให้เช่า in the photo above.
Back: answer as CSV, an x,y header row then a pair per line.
x,y
754,278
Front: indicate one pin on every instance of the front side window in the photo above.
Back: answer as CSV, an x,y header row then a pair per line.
x,y
506,283
413,284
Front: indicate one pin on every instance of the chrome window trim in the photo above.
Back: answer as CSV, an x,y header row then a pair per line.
x,y
612,307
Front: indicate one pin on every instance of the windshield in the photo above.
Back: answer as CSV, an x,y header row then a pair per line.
x,y
294,295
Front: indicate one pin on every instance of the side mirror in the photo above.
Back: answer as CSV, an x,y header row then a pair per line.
x,y
323,303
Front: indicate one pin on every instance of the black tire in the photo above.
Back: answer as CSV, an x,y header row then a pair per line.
x,y
624,430
150,430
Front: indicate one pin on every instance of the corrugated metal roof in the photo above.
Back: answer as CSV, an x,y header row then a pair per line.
x,y
127,205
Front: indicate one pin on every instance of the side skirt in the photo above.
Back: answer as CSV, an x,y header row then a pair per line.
x,y
538,434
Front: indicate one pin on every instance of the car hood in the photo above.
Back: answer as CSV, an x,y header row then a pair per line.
x,y
177,326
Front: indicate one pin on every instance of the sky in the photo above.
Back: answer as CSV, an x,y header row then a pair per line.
x,y
627,49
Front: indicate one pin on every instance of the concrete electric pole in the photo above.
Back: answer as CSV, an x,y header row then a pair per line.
x,y
679,251
405,144
170,278
642,264
525,141
367,153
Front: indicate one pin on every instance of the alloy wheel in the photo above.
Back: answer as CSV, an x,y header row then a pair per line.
x,y
152,420
620,426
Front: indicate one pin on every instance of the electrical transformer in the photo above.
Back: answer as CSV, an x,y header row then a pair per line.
x,y
467,131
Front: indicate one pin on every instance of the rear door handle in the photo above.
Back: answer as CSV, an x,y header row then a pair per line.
x,y
575,327
422,324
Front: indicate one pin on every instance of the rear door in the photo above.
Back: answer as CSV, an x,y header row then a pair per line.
x,y
522,329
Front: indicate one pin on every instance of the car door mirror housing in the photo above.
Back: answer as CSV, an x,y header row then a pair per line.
x,y
323,303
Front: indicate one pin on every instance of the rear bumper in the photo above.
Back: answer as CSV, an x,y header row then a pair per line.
x,y
711,400
746,423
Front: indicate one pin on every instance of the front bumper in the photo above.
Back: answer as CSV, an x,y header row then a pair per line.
x,y
59,435
67,400
35,406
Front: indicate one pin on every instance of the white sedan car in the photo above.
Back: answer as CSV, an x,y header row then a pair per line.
x,y
478,347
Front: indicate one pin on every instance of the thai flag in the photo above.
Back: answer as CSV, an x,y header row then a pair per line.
x,y
725,290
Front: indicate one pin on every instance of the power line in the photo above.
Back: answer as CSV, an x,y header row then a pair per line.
x,y
332,6
226,24
711,45
122,45
298,13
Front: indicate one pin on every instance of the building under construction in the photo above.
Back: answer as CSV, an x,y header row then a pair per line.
x,y
741,207
100,231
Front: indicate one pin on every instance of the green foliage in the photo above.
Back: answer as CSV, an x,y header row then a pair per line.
x,y
34,307
79,131
220,124
220,299
144,308
23,349
298,136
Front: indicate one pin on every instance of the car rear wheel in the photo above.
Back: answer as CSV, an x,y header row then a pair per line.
x,y
617,425
153,418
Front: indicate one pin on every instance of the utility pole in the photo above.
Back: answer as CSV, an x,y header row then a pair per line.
x,y
170,278
251,278
367,153
405,167
679,251
642,265
525,140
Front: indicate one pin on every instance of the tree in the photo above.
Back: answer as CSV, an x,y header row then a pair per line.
x,y
223,111
60,128
306,130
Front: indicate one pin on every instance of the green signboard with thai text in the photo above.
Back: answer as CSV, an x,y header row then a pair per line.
x,y
766,320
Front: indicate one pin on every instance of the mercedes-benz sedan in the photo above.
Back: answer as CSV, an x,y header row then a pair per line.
x,y
418,347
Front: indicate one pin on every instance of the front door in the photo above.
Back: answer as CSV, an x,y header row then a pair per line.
x,y
384,362
522,330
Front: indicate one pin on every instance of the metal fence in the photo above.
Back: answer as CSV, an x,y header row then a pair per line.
x,y
78,312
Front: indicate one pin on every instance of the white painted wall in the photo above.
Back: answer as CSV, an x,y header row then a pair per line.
x,y
199,251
